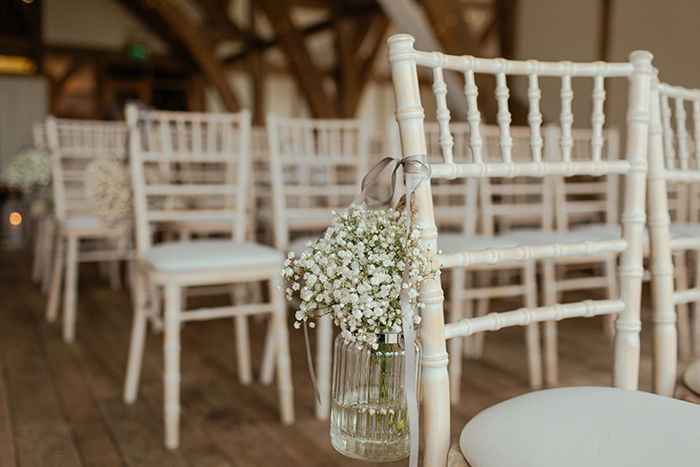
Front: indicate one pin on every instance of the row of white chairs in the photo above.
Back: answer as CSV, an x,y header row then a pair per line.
x,y
315,166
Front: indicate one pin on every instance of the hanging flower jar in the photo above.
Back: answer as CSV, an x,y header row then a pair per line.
x,y
359,272
368,401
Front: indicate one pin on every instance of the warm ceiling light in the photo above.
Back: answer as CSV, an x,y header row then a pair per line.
x,y
16,65
27,1
15,218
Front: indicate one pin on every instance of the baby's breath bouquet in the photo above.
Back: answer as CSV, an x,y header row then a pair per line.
x,y
354,273
29,170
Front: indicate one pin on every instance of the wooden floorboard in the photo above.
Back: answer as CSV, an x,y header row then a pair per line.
x,y
61,405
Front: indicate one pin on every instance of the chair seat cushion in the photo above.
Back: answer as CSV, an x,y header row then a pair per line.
x,y
82,222
584,426
206,255
691,377
451,243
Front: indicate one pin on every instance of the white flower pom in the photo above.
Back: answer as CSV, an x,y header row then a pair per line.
x,y
355,271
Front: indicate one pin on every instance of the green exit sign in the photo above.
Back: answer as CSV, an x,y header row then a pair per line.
x,y
137,51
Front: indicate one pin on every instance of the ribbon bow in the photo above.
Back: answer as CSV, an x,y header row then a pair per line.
x,y
411,165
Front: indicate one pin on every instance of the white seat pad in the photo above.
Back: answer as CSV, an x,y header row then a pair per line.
x,y
682,229
584,426
691,377
82,222
451,243
208,255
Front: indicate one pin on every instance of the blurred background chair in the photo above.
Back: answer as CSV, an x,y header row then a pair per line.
x,y
80,235
195,141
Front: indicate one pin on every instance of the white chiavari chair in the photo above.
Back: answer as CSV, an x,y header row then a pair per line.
x,y
221,141
72,145
674,161
571,426
316,166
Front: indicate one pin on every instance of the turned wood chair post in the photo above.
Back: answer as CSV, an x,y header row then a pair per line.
x,y
436,391
628,323
661,264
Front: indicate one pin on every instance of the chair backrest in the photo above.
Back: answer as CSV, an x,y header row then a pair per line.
x,y
189,167
674,161
404,61
72,145
585,199
316,166
39,136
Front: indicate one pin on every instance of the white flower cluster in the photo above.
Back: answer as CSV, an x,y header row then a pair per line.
x,y
29,169
108,186
355,273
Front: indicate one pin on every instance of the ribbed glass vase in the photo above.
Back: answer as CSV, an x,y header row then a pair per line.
x,y
369,420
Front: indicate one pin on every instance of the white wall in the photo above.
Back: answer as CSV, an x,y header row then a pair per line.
x,y
569,30
23,101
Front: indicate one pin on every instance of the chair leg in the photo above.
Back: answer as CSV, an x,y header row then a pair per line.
x,y
155,316
324,354
245,373
56,279
239,294
38,257
267,367
613,292
284,370
171,376
551,372
482,307
114,272
684,352
138,340
455,344
696,307
532,331
48,252
71,286
468,312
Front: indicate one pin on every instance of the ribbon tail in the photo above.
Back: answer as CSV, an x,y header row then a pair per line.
x,y
310,364
410,364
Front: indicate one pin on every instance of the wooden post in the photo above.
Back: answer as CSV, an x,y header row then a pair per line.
x,y
200,48
307,74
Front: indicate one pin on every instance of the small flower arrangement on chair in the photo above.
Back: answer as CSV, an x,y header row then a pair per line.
x,y
359,273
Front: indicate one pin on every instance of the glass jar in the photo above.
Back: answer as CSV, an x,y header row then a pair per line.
x,y
369,420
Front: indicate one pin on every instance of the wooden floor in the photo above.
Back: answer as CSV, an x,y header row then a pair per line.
x,y
61,405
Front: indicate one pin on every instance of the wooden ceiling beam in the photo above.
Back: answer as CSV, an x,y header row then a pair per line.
x,y
308,76
353,73
450,27
217,13
200,48
152,21
506,16
261,45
